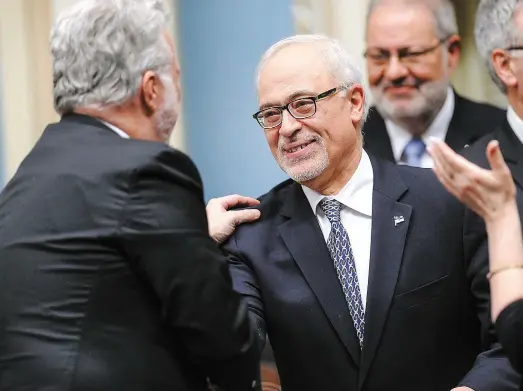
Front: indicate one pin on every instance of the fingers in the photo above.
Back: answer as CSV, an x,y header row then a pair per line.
x,y
441,161
450,160
469,195
233,200
446,181
495,157
244,216
459,169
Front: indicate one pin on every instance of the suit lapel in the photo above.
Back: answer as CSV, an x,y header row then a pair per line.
x,y
458,134
390,224
304,239
376,138
512,149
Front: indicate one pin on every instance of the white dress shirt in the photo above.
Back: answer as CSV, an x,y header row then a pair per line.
x,y
399,137
356,217
515,123
115,129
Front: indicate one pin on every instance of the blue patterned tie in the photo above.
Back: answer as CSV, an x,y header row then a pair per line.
x,y
341,253
413,152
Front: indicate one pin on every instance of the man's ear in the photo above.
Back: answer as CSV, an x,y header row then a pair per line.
x,y
150,92
501,63
356,94
453,52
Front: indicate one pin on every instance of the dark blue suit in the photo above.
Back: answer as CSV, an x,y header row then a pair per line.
x,y
427,318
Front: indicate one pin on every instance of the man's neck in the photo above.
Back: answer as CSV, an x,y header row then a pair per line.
x,y
515,103
418,125
331,182
134,125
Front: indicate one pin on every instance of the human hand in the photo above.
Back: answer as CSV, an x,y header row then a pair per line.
x,y
222,221
489,193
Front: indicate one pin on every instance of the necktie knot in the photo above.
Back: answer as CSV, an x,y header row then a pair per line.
x,y
413,152
332,209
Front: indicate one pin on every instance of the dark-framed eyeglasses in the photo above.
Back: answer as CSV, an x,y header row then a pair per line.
x,y
300,108
513,48
407,56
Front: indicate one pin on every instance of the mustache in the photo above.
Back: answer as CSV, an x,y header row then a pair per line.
x,y
401,83
284,143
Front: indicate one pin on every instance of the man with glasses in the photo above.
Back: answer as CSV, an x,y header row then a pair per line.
x,y
499,39
413,47
363,273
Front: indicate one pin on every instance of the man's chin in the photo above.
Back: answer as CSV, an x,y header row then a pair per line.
x,y
303,175
400,108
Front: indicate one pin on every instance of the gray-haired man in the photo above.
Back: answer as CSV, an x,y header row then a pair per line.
x,y
108,277
499,39
413,47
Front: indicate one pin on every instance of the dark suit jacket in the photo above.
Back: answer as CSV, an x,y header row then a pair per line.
x,y
470,121
427,320
509,327
108,278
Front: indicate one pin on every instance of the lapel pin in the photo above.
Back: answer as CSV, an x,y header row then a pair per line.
x,y
398,220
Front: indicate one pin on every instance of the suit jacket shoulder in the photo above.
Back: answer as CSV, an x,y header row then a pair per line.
x,y
77,140
474,119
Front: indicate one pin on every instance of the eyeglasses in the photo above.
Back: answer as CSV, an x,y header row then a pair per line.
x,y
300,108
381,57
514,49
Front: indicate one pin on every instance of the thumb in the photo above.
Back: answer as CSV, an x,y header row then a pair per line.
x,y
495,157
244,216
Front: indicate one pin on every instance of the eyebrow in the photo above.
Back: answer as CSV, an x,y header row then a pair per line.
x,y
401,48
291,97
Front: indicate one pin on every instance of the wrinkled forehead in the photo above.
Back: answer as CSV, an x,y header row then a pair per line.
x,y
299,67
518,18
393,25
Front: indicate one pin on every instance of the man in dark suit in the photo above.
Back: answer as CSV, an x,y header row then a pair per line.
x,y
503,60
413,47
363,273
501,56
108,277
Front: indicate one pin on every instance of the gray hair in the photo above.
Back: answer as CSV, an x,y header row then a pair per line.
x,y
341,65
495,29
442,10
101,48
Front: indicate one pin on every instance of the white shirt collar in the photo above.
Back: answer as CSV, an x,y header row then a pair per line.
x,y
115,129
357,192
399,137
515,123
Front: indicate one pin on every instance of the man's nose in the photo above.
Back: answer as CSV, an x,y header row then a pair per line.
x,y
289,124
396,69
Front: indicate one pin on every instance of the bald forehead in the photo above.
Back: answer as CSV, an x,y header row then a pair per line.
x,y
296,59
294,71
391,21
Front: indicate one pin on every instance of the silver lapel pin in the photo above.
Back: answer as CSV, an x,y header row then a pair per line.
x,y
398,220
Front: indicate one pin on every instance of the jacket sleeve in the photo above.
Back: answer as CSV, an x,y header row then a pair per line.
x,y
164,235
509,327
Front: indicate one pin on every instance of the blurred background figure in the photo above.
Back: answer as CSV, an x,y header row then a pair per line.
x,y
492,195
412,49
499,38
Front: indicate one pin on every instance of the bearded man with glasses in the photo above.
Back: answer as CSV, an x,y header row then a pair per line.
x,y
363,274
413,47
